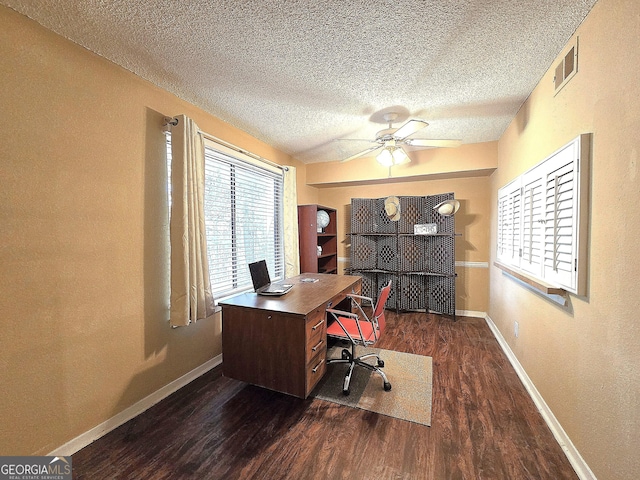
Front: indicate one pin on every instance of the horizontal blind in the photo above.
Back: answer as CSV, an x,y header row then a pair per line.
x,y
243,211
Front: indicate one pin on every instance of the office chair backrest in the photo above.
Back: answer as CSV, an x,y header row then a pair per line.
x,y
378,313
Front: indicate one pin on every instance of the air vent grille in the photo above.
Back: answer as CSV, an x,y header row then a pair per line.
x,y
567,68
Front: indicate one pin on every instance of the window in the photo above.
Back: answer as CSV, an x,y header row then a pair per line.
x,y
244,218
543,219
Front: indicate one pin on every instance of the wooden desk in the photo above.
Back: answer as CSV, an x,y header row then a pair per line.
x,y
280,343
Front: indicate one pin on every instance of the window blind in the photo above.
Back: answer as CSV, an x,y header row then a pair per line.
x,y
243,218
244,211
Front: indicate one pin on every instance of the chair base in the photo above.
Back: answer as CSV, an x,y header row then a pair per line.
x,y
350,358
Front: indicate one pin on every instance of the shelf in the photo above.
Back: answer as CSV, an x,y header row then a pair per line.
x,y
310,240
378,234
406,234
429,234
400,272
538,285
331,270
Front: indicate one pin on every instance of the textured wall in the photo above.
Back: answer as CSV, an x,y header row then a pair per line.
x,y
82,240
584,359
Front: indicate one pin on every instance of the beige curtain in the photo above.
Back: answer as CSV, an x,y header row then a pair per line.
x,y
191,297
291,247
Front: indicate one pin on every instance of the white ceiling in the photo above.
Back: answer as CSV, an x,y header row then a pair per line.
x,y
300,74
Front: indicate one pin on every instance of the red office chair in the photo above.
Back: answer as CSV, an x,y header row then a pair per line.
x,y
358,329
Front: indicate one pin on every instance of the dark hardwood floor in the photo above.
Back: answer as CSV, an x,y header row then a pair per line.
x,y
484,425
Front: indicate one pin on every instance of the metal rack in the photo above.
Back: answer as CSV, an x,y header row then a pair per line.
x,y
421,267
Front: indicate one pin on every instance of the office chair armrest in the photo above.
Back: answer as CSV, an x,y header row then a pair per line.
x,y
354,302
360,297
341,313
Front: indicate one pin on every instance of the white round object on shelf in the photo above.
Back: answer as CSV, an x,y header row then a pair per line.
x,y
322,219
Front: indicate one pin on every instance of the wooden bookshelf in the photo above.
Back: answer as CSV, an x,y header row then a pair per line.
x,y
311,261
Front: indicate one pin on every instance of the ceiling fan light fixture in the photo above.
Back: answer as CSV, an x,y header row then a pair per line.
x,y
391,155
385,157
399,156
390,140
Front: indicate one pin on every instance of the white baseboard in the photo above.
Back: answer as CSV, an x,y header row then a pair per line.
x,y
134,410
470,313
577,462
462,263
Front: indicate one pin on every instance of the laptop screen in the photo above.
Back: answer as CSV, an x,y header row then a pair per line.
x,y
259,274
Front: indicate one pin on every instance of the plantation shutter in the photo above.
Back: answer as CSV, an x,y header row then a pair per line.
x,y
532,217
560,216
509,217
542,227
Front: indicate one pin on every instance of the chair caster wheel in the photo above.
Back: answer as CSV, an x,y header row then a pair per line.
x,y
345,354
387,386
347,392
381,363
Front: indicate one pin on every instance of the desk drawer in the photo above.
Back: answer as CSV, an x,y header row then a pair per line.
x,y
316,334
316,369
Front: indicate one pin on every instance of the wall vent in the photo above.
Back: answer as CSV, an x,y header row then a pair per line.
x,y
567,68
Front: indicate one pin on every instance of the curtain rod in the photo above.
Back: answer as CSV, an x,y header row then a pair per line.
x,y
173,121
240,150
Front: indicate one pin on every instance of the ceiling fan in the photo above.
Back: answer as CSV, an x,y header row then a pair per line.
x,y
390,141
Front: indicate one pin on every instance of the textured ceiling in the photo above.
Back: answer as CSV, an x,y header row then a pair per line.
x,y
301,74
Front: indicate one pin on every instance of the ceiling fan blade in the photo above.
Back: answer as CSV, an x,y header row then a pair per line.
x,y
412,126
418,142
361,154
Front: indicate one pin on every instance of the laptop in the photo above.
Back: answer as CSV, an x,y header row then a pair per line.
x,y
262,282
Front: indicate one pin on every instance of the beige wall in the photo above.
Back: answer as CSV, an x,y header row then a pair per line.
x,y
584,359
472,223
82,252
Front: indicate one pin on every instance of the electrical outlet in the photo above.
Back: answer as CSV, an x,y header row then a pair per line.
x,y
516,329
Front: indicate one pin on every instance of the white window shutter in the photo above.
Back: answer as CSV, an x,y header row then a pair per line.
x,y
532,218
509,220
543,218
561,216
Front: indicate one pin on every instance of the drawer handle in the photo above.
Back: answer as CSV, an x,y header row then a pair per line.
x,y
315,369
317,324
317,346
